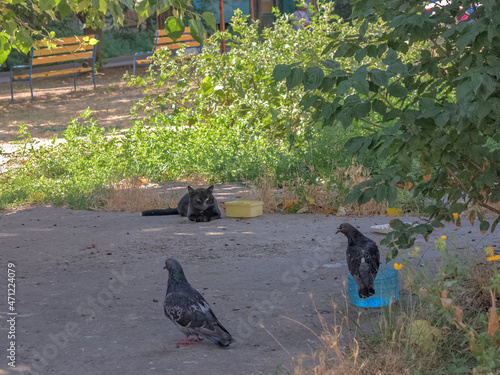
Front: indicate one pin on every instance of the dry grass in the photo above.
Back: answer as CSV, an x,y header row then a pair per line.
x,y
265,190
351,177
357,358
299,196
474,298
133,195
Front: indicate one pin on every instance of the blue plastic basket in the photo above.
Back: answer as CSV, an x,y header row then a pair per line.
x,y
386,288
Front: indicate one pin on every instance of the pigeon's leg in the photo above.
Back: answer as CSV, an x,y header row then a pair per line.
x,y
197,339
185,342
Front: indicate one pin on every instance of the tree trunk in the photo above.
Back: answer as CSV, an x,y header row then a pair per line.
x,y
162,17
89,31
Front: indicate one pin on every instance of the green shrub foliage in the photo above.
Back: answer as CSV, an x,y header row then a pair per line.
x,y
433,104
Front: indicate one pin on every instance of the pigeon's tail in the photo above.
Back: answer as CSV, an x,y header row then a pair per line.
x,y
220,337
366,291
168,211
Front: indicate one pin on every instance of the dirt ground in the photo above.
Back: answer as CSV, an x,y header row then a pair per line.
x,y
89,285
55,103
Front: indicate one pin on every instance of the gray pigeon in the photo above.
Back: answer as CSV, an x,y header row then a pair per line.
x,y
363,259
187,308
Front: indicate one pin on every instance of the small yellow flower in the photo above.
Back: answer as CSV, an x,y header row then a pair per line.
x,y
443,237
489,259
398,266
455,215
489,251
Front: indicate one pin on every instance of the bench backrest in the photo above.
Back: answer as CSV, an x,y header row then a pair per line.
x,y
68,49
162,41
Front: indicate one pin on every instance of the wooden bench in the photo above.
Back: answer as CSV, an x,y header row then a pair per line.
x,y
67,49
162,41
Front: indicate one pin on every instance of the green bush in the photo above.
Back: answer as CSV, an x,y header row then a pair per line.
x,y
126,41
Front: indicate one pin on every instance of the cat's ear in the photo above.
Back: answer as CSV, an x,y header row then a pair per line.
x,y
210,189
190,190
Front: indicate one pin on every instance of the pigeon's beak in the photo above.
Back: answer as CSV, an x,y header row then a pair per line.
x,y
338,230
165,267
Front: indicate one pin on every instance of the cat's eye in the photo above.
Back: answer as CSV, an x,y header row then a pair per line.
x,y
198,200
207,199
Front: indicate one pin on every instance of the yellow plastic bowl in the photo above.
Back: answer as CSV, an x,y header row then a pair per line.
x,y
394,212
244,208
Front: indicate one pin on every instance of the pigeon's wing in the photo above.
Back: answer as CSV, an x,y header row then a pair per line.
x,y
354,256
372,255
191,311
187,310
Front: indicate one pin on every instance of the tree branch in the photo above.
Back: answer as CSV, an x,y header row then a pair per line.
x,y
386,100
372,124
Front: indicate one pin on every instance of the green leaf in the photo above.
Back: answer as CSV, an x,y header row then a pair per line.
x,y
495,223
361,86
45,5
353,195
308,101
345,117
362,110
5,48
484,226
313,78
363,28
398,91
64,9
280,72
355,144
390,58
398,68
380,193
458,207
24,41
379,106
379,77
359,82
174,27
196,29
209,19
331,64
397,224
360,54
344,87
328,110
371,50
442,119
295,78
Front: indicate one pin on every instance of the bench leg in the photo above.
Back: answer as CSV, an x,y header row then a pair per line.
x,y
93,76
74,78
31,87
11,87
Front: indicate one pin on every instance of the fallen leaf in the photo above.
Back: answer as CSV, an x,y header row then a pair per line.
x,y
427,177
424,335
493,325
446,302
458,319
310,200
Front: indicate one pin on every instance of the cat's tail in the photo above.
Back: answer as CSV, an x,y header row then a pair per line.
x,y
168,211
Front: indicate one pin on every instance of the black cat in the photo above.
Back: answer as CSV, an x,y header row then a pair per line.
x,y
198,205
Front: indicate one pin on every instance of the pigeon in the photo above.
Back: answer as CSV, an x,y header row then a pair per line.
x,y
189,311
363,259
